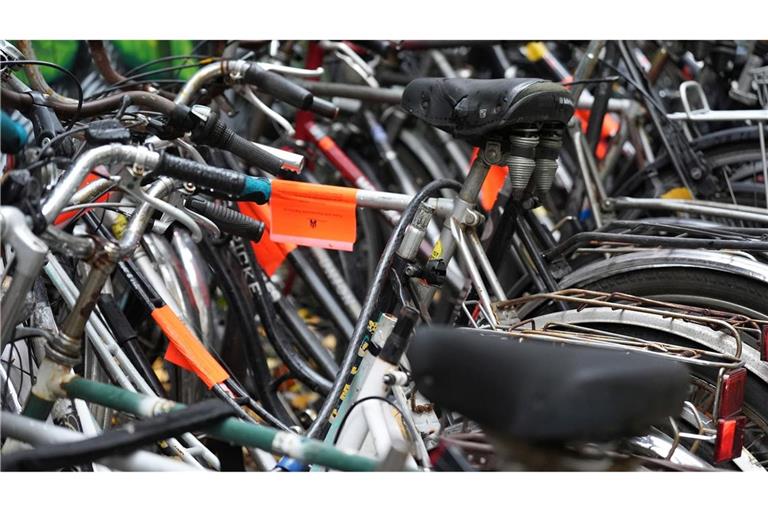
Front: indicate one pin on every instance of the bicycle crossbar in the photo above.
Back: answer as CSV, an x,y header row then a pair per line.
x,y
232,430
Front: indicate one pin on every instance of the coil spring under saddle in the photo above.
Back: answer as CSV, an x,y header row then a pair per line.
x,y
550,142
520,160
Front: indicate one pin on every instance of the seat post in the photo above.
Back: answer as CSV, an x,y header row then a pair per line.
x,y
489,155
445,247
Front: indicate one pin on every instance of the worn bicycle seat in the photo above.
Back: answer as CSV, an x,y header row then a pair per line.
x,y
472,108
541,392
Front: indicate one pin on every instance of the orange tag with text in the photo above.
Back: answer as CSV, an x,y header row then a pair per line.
x,y
314,215
185,350
269,253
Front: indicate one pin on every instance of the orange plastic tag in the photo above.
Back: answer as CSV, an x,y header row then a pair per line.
x,y
186,350
609,129
492,185
314,215
269,254
89,178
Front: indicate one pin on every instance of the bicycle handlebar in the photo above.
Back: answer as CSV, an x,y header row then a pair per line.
x,y
228,220
278,86
221,180
357,92
211,131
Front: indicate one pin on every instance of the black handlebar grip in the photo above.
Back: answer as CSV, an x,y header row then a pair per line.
x,y
278,86
324,108
214,133
254,155
355,92
228,220
221,180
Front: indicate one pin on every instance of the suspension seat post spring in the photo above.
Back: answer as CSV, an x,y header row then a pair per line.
x,y
520,159
550,143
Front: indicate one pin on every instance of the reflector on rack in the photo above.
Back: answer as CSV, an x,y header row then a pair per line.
x,y
730,438
764,344
732,393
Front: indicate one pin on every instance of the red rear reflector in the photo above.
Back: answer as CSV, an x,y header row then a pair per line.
x,y
764,344
732,393
730,438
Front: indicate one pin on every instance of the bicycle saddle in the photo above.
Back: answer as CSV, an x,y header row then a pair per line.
x,y
472,108
542,392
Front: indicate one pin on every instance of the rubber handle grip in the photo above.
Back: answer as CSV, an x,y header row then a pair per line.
x,y
278,86
324,108
355,92
214,133
228,220
221,180
252,154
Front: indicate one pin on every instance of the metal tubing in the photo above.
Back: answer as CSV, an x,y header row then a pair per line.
x,y
474,272
586,67
113,153
485,265
761,131
231,430
357,92
368,381
115,360
533,252
39,433
710,208
199,79
29,258
337,281
392,201
306,270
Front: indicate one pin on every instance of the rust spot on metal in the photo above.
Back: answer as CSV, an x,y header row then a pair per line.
x,y
422,408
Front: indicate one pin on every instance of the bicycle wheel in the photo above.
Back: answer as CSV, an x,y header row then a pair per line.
x,y
733,154
705,279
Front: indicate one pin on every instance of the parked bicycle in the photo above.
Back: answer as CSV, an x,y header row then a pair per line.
x,y
385,255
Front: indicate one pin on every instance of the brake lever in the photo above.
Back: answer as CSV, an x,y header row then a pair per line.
x,y
291,71
131,187
177,201
247,93
353,60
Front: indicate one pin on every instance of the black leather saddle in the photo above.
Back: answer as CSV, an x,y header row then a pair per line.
x,y
541,392
472,109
